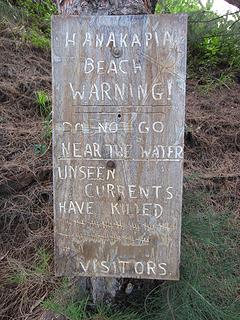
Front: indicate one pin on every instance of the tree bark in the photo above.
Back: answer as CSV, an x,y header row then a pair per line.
x,y
105,7
104,289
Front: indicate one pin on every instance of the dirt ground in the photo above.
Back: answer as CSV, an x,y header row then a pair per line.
x,y
212,163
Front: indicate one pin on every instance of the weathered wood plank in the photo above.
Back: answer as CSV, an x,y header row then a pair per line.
x,y
119,95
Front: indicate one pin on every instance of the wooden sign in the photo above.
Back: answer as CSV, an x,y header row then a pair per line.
x,y
118,117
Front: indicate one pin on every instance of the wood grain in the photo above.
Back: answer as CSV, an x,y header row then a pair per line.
x,y
119,101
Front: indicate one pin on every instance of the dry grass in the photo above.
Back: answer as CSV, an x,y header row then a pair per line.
x,y
26,213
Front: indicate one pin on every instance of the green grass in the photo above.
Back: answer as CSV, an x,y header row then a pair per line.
x,y
45,109
28,20
72,311
21,274
44,103
209,280
43,262
209,268
212,83
66,302
79,311
9,13
37,38
18,277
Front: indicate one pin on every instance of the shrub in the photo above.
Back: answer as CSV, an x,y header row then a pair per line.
x,y
213,41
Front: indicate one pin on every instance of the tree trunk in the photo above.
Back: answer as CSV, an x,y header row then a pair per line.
x,y
106,7
105,289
